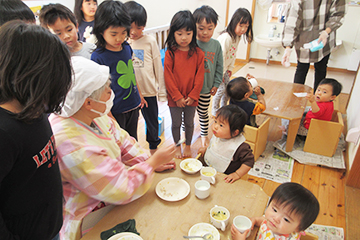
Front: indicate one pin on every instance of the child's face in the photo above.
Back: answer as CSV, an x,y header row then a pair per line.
x,y
279,219
66,31
183,39
114,37
136,31
89,8
241,28
205,30
324,93
221,128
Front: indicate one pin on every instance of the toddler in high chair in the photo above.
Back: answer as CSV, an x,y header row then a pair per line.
x,y
292,209
227,152
322,106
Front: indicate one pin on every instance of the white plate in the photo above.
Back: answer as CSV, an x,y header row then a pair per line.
x,y
172,189
191,165
201,229
125,236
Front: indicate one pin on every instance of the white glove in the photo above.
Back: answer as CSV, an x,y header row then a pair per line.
x,y
286,57
323,37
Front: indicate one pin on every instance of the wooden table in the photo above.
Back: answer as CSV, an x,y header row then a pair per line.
x,y
157,219
282,103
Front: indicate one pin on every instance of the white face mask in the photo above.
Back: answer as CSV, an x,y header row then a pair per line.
x,y
108,103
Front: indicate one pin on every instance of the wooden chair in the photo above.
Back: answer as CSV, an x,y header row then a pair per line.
x,y
323,136
309,236
257,137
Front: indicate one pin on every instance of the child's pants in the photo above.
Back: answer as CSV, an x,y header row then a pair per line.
x,y
176,118
203,112
150,115
220,97
128,121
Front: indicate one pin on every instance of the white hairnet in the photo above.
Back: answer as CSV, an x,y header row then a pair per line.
x,y
88,76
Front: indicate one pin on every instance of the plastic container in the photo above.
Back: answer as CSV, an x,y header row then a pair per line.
x,y
314,45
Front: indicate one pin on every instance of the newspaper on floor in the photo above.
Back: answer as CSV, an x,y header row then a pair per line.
x,y
326,232
273,165
336,161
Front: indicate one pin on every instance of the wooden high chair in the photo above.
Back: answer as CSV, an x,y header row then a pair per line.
x,y
309,236
323,136
257,137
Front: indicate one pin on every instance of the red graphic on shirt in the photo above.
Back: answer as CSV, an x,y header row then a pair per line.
x,y
47,154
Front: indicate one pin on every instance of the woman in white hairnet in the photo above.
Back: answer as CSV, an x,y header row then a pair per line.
x,y
100,163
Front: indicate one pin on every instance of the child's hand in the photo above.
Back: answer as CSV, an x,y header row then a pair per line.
x,y
236,235
181,103
257,91
189,101
310,97
249,76
143,102
202,150
231,178
213,91
229,73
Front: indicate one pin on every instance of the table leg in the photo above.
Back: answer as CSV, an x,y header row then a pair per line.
x,y
292,132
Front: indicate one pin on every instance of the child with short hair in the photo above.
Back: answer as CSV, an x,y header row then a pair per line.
x,y
62,22
322,106
206,20
228,152
292,209
184,76
15,10
112,25
239,90
149,71
239,26
84,11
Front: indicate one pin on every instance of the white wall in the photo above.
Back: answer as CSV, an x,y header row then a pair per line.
x,y
353,116
349,33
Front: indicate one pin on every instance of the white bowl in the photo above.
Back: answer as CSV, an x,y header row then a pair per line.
x,y
125,236
201,229
191,165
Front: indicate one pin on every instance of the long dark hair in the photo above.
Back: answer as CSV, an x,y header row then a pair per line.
x,y
15,9
241,16
78,12
182,19
110,13
35,69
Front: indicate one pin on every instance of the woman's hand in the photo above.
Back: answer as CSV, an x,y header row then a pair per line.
x,y
166,166
161,156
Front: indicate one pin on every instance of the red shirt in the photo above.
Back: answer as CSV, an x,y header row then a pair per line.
x,y
325,113
184,77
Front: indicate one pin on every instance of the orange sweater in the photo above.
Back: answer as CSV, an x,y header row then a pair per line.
x,y
184,77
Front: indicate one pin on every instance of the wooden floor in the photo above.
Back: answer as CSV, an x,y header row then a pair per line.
x,y
327,184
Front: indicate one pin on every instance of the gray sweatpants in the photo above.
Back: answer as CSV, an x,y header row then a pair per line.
x,y
176,118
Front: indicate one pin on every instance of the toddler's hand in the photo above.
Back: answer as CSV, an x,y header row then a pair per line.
x,y
249,76
202,150
310,97
257,91
236,235
189,101
231,178
213,91
181,103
